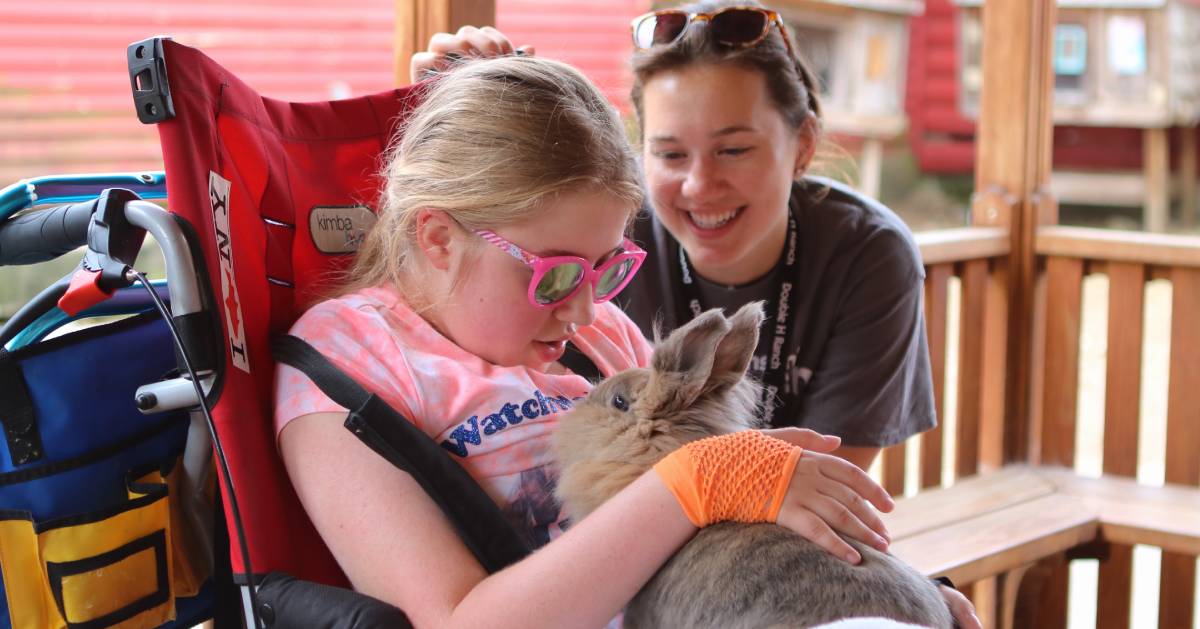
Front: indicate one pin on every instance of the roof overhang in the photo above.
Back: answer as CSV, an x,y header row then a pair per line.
x,y
1090,4
900,7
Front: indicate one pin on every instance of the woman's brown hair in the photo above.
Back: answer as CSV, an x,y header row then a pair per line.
x,y
789,80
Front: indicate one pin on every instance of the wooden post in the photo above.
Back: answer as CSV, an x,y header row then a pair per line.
x,y
870,167
1177,583
1012,174
1009,586
1187,176
418,20
1156,170
1122,408
938,278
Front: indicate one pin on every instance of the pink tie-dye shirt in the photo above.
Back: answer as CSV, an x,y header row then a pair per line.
x,y
496,421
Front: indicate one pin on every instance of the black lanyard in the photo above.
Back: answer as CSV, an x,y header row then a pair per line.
x,y
775,327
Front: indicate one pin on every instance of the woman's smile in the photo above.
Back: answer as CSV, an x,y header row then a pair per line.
x,y
710,223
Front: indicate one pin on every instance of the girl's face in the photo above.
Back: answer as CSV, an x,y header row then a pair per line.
x,y
488,312
720,160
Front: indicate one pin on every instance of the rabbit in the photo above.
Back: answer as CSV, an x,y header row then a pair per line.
x,y
730,575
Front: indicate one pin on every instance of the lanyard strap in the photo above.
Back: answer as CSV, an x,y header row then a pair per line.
x,y
776,327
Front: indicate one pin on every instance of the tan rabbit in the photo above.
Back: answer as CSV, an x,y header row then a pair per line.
x,y
730,575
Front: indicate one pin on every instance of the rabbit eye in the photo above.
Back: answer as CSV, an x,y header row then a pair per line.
x,y
619,402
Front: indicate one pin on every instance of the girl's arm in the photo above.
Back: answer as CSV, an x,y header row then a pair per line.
x,y
394,544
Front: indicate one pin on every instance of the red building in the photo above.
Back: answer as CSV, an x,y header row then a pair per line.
x,y
942,137
65,104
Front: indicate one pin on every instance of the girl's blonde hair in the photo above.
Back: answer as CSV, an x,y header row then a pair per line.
x,y
491,143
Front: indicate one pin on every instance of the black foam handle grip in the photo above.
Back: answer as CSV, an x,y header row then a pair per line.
x,y
43,235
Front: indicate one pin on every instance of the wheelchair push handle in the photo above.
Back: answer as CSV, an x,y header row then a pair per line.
x,y
43,235
113,226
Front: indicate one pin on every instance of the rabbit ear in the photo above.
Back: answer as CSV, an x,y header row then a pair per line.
x,y
736,348
683,362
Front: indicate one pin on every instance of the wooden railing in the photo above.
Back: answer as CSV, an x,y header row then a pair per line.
x,y
978,258
1130,261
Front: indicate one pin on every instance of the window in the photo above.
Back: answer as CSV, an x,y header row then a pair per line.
x,y
1070,61
970,49
818,47
1127,45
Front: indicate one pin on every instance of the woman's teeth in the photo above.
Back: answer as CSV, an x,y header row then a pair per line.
x,y
713,221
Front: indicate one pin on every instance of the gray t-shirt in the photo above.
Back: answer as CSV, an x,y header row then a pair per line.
x,y
857,360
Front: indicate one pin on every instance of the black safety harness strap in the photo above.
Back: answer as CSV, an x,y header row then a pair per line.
x,y
17,415
580,363
478,520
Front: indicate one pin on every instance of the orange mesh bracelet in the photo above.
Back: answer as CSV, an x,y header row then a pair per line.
x,y
741,477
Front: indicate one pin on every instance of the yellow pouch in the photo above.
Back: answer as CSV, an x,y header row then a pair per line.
x,y
109,569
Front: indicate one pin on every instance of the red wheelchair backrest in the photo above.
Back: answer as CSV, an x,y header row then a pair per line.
x,y
278,195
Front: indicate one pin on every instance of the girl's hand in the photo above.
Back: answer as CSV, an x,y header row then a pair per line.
x,y
829,495
467,42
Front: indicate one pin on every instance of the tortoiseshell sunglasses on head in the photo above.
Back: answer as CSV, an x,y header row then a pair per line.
x,y
737,27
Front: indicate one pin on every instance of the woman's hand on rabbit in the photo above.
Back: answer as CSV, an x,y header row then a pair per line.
x,y
829,495
961,608
468,41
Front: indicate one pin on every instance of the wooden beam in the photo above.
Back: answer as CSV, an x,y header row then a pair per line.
x,y
993,371
895,461
1156,170
971,344
936,285
1187,176
1178,581
999,542
1122,403
1060,359
418,20
1119,246
1012,174
961,244
870,167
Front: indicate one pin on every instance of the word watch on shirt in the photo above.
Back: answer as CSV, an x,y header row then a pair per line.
x,y
776,333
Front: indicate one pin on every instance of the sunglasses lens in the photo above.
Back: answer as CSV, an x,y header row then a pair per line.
x,y
612,278
661,28
738,26
558,283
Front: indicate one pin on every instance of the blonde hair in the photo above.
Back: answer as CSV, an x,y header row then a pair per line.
x,y
491,143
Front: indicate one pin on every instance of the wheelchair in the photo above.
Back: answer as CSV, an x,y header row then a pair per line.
x,y
139,481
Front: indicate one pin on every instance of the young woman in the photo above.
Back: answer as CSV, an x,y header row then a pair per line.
x,y
501,236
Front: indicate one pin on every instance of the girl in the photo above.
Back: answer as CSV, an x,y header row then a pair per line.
x,y
729,123
501,236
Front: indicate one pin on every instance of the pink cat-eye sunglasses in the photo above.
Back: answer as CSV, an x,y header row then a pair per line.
x,y
557,278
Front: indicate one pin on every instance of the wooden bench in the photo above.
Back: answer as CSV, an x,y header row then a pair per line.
x,y
999,524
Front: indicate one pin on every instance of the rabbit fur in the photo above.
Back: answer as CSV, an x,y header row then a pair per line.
x,y
729,575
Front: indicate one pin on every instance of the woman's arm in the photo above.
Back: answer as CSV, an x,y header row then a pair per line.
x,y
394,544
467,41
